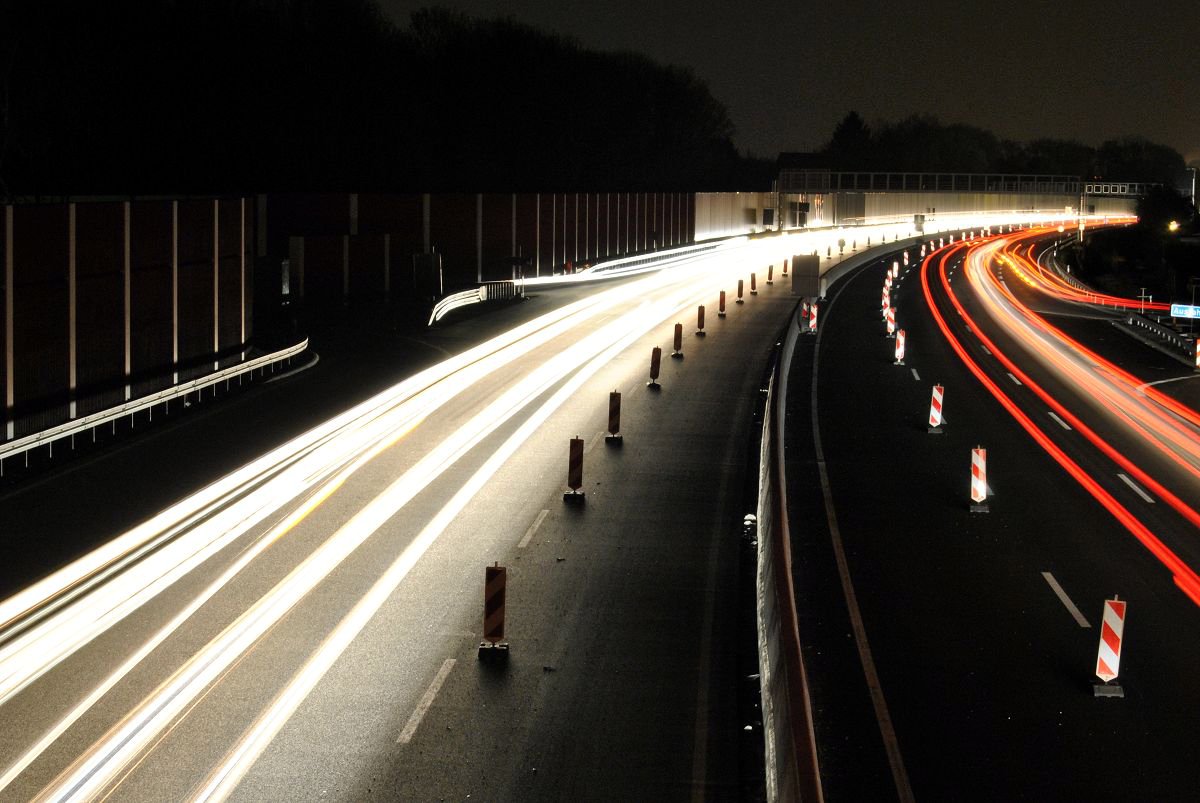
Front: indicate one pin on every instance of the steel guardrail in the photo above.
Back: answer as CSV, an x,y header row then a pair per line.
x,y
792,772
47,437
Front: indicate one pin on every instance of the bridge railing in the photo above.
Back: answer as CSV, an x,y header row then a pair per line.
x,y
790,744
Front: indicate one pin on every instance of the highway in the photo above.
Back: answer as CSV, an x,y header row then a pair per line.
x,y
972,637
304,625
280,597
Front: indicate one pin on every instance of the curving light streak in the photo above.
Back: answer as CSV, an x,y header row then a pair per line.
x,y
55,622
100,766
1185,578
36,650
1169,426
225,778
47,622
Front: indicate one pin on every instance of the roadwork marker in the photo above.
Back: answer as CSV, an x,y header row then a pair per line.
x,y
785,266
899,348
655,362
678,352
493,644
891,322
700,321
721,306
575,472
812,318
614,438
753,285
771,273
935,411
1108,657
979,480
740,300
1198,354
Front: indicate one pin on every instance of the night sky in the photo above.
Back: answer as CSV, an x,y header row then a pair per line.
x,y
788,71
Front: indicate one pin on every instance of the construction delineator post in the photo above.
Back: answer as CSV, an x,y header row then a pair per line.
x,y
935,411
979,502
614,437
575,473
655,364
1108,657
493,646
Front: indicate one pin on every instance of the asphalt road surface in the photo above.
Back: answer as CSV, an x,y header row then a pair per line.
x,y
305,625
982,628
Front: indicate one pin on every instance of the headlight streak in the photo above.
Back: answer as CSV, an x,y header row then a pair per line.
x,y
1168,429
36,651
1185,578
225,778
95,770
76,621
48,621
1173,430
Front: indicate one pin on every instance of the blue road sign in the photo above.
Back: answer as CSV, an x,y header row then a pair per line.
x,y
1184,311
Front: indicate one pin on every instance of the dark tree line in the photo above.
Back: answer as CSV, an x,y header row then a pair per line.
x,y
921,143
171,96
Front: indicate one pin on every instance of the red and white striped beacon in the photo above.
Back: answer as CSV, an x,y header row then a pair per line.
x,y
935,411
979,480
1108,658
891,322
812,318
1198,354
899,347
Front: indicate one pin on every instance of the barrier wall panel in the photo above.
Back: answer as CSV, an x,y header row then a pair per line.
x,y
394,214
5,212
323,273
229,287
527,229
99,304
603,235
151,322
497,236
41,368
366,269
195,288
452,234
544,260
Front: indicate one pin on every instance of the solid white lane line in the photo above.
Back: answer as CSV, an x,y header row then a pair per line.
x,y
1061,423
1014,379
1080,619
887,730
916,376
533,529
425,702
1145,496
